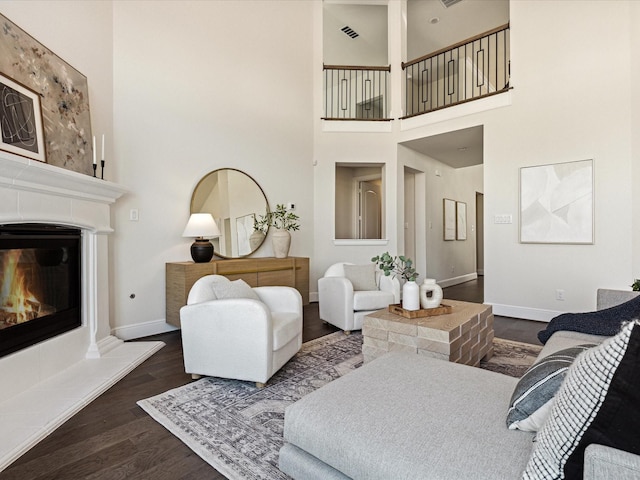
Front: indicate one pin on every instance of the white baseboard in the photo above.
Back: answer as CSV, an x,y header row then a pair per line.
x,y
525,313
449,282
139,330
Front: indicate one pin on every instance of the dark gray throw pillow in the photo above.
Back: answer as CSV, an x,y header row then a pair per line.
x,y
531,400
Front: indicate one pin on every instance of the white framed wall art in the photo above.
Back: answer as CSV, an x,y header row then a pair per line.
x,y
557,203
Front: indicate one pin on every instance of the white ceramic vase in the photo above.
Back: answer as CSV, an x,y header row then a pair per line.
x,y
430,293
255,240
411,296
281,241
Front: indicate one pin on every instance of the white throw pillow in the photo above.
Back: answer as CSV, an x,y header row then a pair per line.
x,y
235,289
204,289
362,277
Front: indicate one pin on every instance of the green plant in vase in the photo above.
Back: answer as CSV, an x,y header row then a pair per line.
x,y
402,266
398,265
284,221
260,227
261,223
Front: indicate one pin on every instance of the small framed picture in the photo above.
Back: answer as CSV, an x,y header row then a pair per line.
x,y
21,130
461,221
449,217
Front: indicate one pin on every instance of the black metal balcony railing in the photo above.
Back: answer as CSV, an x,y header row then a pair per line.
x,y
356,93
472,69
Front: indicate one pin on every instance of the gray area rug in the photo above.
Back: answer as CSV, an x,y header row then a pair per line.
x,y
511,358
237,428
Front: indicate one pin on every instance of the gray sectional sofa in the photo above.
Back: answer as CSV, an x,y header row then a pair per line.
x,y
406,416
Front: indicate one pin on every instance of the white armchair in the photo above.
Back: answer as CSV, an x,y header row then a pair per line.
x,y
347,293
231,330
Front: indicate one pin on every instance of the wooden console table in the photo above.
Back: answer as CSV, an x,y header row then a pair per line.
x,y
257,272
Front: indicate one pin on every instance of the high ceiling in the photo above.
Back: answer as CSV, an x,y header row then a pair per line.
x,y
430,27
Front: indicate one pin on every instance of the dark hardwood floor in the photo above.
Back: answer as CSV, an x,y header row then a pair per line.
x,y
112,438
504,327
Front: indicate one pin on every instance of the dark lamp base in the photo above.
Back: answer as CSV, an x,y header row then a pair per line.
x,y
201,251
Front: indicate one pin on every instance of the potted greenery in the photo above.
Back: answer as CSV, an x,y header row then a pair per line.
x,y
399,265
284,222
260,227
402,266
635,286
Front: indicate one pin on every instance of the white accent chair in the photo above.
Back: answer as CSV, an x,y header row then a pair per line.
x,y
240,338
344,306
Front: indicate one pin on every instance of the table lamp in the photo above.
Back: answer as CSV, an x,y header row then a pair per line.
x,y
201,225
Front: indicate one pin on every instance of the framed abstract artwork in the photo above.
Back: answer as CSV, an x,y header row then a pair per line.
x,y
557,203
21,129
63,91
449,218
461,221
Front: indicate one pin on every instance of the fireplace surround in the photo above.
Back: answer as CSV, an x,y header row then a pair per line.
x,y
43,384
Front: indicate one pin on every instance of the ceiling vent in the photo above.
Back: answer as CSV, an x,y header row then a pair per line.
x,y
449,3
350,32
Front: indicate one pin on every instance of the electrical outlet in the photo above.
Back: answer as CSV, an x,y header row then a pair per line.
x,y
291,206
133,215
560,295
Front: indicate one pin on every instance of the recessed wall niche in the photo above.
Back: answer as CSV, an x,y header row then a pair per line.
x,y
359,203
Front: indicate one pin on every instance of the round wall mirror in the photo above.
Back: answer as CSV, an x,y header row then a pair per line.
x,y
237,204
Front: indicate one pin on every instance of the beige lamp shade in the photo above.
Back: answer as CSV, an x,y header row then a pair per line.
x,y
201,225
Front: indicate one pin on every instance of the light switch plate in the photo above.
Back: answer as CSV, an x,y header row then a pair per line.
x,y
503,218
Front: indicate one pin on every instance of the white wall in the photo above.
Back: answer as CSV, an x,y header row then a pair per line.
x,y
557,116
167,126
554,114
200,86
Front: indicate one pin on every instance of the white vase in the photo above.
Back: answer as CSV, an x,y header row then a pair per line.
x,y
281,241
429,286
411,296
255,240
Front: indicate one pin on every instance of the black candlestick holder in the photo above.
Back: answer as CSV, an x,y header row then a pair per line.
x,y
102,169
94,169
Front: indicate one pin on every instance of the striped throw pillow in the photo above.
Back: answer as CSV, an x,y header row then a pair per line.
x,y
596,404
532,398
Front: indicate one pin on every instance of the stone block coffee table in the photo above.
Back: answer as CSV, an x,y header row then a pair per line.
x,y
463,336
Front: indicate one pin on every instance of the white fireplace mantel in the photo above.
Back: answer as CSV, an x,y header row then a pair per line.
x,y
30,175
45,384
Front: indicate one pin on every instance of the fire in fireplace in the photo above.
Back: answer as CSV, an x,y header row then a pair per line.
x,y
40,270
